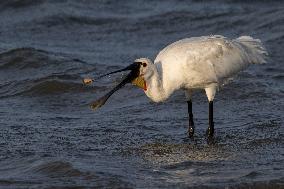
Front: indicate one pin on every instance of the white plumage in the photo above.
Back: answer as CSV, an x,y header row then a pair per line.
x,y
199,63
190,64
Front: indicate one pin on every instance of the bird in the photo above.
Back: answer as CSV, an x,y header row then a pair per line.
x,y
190,64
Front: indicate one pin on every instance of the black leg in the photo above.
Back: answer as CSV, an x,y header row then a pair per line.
x,y
190,116
210,130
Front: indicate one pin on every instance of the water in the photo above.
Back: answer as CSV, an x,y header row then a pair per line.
x,y
51,139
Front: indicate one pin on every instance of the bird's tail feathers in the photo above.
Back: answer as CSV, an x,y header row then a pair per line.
x,y
257,52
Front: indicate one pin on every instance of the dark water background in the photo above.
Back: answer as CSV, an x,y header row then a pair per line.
x,y
49,138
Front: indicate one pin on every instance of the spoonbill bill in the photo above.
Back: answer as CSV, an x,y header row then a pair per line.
x,y
190,64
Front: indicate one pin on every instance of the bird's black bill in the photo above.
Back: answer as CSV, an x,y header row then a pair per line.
x,y
134,73
134,66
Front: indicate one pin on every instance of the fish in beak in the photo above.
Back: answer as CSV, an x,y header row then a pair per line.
x,y
133,77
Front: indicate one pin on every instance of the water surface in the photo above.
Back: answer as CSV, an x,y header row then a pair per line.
x,y
50,138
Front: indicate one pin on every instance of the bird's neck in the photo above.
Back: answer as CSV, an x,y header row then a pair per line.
x,y
155,89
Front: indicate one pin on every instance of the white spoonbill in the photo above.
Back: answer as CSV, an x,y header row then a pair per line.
x,y
193,63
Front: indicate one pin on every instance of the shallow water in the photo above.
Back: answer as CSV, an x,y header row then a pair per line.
x,y
50,138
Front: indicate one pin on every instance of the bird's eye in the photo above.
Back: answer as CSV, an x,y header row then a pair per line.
x,y
144,64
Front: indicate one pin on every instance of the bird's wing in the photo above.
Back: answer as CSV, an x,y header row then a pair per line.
x,y
207,59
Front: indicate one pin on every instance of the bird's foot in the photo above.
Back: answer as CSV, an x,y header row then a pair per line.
x,y
190,133
210,131
211,140
191,130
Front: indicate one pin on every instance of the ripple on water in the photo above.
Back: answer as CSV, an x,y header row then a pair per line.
x,y
182,154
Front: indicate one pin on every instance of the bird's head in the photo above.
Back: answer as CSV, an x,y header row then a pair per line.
x,y
145,72
139,70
